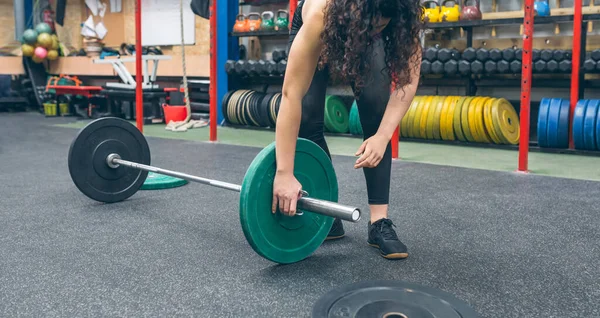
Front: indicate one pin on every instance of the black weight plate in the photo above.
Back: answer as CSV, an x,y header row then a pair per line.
x,y
390,299
264,108
240,110
252,109
224,104
87,159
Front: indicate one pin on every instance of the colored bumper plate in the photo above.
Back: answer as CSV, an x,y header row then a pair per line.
x,y
542,128
555,123
336,115
506,121
156,181
589,124
578,119
277,237
456,116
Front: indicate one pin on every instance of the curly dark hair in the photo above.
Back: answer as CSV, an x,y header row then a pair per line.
x,y
348,28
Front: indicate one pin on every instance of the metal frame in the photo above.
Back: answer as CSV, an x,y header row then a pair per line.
x,y
128,81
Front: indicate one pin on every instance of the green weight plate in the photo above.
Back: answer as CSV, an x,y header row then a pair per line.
x,y
456,119
277,237
156,181
336,115
353,119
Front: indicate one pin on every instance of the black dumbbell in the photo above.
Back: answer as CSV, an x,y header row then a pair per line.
x,y
482,54
508,54
455,54
564,66
252,68
281,67
261,68
495,55
552,66
451,67
431,54
491,67
546,55
476,67
535,55
445,55
503,66
469,54
595,55
515,67
271,67
425,67
539,66
279,55
230,66
519,54
559,55
589,65
437,67
240,67
464,67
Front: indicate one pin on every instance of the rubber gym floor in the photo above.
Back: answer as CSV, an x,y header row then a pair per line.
x,y
510,245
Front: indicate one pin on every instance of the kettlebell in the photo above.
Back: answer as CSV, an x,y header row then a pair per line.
x,y
450,11
470,12
282,21
542,8
431,12
267,21
241,23
254,21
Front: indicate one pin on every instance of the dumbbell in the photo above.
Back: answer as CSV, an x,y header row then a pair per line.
x,y
552,66
261,68
559,55
539,66
451,67
437,67
482,54
281,67
515,67
425,67
240,67
230,66
503,66
546,55
495,55
279,55
535,55
508,54
491,67
445,55
271,67
595,55
469,54
476,67
252,68
589,65
519,54
431,54
464,67
564,66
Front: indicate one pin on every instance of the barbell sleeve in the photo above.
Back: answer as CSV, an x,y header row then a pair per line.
x,y
323,207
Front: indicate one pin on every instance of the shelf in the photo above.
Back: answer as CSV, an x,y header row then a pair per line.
x,y
261,33
481,23
262,2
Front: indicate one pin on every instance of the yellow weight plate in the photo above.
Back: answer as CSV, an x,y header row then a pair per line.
x,y
489,123
506,121
442,118
456,123
464,119
447,118
404,121
412,115
437,112
479,123
427,109
418,114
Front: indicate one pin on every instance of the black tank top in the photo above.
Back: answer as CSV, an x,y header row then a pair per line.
x,y
296,23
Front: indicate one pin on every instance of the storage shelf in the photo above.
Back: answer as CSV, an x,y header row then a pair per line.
x,y
261,33
481,23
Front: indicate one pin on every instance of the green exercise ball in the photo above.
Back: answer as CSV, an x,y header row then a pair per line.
x,y
30,36
43,28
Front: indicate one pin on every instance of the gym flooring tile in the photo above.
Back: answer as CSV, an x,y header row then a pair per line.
x,y
510,245
548,164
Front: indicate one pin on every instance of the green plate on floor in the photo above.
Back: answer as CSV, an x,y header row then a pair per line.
x,y
274,236
336,115
156,181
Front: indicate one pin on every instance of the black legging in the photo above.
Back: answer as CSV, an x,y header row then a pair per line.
x,y
371,103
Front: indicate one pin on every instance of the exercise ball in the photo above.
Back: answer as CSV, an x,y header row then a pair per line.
x,y
37,59
43,28
54,45
52,55
27,50
44,40
40,52
30,36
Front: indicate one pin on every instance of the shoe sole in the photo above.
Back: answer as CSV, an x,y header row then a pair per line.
x,y
330,238
392,255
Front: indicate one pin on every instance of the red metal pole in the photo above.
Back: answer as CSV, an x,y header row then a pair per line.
x,y
293,5
395,143
526,86
139,101
213,72
576,62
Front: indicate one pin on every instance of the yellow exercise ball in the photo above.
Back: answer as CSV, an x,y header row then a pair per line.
x,y
54,45
52,55
27,50
44,40
37,59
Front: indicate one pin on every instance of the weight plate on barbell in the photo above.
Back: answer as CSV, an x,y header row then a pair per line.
x,y
87,159
578,119
437,113
506,121
280,238
387,299
456,119
589,125
542,128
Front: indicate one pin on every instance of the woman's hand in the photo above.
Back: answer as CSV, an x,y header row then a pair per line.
x,y
371,151
286,192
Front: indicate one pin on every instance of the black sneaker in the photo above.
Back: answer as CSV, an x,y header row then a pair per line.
x,y
337,230
383,237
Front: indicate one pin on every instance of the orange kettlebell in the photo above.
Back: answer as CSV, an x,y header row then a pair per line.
x,y
254,21
241,23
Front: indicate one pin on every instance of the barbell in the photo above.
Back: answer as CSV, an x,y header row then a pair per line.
x,y
109,161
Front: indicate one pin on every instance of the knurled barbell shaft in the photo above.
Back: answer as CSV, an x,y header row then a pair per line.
x,y
323,207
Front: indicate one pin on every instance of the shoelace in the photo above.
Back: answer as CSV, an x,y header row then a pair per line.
x,y
387,230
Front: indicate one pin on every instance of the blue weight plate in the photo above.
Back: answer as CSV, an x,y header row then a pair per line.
x,y
542,128
578,124
563,125
553,122
589,124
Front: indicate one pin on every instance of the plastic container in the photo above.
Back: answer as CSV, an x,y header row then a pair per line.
x,y
174,113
